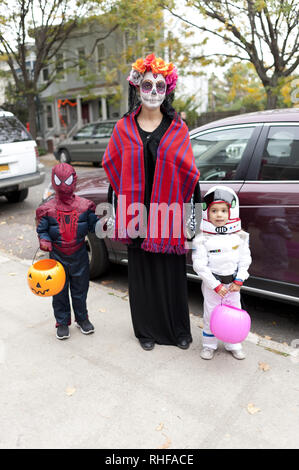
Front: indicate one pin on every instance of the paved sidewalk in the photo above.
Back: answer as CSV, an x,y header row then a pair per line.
x,y
104,391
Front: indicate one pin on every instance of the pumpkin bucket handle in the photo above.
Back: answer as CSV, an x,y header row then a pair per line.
x,y
33,260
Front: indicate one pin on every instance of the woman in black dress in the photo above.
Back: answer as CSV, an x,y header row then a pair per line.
x,y
156,272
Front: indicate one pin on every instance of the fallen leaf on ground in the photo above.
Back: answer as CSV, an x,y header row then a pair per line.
x,y
102,310
252,409
268,337
70,391
106,282
160,427
12,274
263,366
3,222
166,444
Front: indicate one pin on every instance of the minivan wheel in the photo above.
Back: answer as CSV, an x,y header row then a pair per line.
x,y
17,196
64,156
98,256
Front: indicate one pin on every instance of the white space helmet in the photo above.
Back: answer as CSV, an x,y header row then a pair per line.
x,y
221,194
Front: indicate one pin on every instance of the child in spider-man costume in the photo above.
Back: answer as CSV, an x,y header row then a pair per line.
x,y
62,224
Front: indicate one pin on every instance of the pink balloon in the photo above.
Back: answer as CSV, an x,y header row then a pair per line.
x,y
230,324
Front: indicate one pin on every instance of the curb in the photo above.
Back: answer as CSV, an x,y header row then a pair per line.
x,y
272,346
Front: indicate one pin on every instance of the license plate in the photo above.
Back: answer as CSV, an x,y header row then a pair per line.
x,y
4,168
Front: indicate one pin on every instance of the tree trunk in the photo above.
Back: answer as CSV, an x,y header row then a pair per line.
x,y
272,90
32,115
271,99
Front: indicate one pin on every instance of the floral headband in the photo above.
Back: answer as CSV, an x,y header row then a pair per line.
x,y
155,65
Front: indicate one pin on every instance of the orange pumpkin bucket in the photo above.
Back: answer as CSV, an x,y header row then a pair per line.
x,y
46,277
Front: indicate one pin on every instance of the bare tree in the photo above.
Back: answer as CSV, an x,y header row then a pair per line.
x,y
262,32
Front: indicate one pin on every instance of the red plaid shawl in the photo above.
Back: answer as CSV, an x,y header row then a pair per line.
x,y
174,181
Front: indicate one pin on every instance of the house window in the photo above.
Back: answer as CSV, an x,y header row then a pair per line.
x,y
49,116
150,47
60,71
81,60
45,74
131,37
100,56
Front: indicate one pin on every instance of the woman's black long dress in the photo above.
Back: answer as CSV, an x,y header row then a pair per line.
x,y
157,281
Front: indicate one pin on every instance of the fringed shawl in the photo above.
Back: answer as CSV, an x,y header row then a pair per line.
x,y
175,178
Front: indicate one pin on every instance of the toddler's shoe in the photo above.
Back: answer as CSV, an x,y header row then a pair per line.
x,y
62,332
238,354
85,326
207,353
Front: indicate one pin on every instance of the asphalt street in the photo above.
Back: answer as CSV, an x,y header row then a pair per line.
x,y
270,319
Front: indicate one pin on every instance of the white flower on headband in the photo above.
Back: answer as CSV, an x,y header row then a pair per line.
x,y
135,77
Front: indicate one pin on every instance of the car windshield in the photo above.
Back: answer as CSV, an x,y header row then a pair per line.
x,y
85,132
103,129
11,130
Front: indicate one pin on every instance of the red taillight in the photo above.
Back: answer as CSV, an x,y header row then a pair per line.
x,y
36,152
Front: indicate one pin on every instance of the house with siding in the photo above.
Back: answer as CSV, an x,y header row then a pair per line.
x,y
91,84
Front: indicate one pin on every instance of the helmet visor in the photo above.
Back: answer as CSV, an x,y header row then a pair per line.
x,y
219,195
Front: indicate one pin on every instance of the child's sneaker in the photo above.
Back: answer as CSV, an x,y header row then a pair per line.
x,y
207,353
85,326
62,332
239,354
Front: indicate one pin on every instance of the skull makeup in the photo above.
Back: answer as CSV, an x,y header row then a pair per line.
x,y
152,90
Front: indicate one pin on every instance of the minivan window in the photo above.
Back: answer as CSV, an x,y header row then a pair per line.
x,y
280,160
12,130
218,153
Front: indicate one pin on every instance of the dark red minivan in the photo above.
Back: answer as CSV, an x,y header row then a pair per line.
x,y
256,154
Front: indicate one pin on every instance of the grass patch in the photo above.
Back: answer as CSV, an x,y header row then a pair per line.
x,y
277,352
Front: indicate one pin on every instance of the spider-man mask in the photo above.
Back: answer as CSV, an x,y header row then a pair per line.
x,y
64,180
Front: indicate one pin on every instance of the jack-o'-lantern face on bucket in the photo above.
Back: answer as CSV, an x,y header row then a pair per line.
x,y
46,277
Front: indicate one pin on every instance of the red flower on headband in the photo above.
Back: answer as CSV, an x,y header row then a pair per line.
x,y
148,61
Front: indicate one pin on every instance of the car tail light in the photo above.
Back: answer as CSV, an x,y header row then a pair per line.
x,y
36,152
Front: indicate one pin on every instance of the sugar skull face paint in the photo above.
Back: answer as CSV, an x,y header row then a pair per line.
x,y
152,90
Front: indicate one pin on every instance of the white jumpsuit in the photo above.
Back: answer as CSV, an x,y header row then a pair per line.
x,y
223,255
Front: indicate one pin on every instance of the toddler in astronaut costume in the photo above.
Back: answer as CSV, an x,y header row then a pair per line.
x,y
221,258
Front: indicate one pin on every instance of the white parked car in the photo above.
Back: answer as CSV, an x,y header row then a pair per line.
x,y
19,166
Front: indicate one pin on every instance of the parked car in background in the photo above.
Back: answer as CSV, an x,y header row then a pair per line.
x,y
19,165
87,145
257,155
